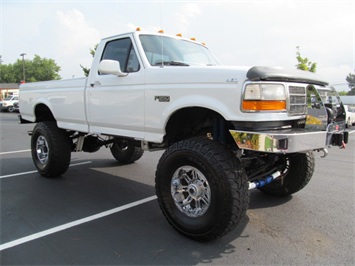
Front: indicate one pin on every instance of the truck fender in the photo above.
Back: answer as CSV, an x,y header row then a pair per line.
x,y
196,101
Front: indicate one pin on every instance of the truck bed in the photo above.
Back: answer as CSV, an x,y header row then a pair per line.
x,y
64,98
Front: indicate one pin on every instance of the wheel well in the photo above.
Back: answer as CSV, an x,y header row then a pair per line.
x,y
43,113
196,121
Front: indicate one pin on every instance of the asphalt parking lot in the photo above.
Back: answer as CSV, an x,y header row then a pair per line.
x,y
102,213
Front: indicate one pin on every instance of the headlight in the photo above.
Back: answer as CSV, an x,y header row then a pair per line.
x,y
264,97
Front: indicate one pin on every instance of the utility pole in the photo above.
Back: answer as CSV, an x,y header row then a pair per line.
x,y
23,66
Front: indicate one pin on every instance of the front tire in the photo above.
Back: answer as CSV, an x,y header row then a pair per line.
x,y
51,149
298,171
201,188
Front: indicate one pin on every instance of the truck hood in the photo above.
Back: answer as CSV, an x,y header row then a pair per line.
x,y
195,74
228,74
280,74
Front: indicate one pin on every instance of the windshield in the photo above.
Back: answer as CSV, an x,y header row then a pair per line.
x,y
162,50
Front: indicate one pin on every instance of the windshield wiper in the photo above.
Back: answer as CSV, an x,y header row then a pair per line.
x,y
170,63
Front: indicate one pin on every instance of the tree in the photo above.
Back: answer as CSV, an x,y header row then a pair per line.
x,y
7,74
38,69
86,69
351,83
304,63
342,93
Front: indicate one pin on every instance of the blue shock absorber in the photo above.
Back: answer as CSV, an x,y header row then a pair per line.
x,y
264,181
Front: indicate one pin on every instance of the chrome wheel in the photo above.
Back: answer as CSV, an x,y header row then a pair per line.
x,y
190,191
51,149
42,149
202,188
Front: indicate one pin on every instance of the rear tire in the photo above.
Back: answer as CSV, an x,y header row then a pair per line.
x,y
51,149
201,188
299,168
124,151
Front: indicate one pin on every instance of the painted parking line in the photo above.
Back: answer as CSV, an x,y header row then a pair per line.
x,y
72,224
35,171
11,152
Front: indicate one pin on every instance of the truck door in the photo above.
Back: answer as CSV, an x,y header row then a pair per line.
x,y
115,105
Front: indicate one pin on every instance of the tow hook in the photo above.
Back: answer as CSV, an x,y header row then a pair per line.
x,y
325,152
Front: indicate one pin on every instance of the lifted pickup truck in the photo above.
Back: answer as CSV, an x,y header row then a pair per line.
x,y
224,130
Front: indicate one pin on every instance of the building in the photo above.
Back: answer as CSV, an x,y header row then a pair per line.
x,y
7,89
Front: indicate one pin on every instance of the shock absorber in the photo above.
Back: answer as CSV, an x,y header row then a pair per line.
x,y
267,180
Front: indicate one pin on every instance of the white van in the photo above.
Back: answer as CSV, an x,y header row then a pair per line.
x,y
8,103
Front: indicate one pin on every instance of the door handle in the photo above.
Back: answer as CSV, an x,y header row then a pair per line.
x,y
96,83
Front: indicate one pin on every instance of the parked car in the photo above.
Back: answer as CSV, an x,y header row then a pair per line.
x,y
8,103
16,107
350,115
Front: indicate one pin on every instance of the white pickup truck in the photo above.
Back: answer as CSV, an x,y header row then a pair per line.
x,y
9,103
224,130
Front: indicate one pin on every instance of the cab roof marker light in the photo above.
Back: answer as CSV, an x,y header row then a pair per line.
x,y
138,29
161,31
193,39
179,35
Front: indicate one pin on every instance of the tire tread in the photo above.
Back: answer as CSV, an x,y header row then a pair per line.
x,y
235,185
301,170
60,149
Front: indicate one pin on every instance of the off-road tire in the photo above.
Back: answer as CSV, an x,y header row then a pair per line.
x,y
299,168
225,188
51,149
125,152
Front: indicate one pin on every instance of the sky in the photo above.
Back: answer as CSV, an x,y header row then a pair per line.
x,y
240,32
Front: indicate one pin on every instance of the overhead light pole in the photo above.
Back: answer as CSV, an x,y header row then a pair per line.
x,y
23,66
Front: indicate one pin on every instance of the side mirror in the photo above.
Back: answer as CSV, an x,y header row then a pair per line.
x,y
111,67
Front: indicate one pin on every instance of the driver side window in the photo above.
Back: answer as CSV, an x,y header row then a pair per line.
x,y
122,51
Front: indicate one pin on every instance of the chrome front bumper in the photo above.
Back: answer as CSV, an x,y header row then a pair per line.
x,y
287,141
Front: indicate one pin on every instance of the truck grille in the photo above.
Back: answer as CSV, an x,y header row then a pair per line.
x,y
298,100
